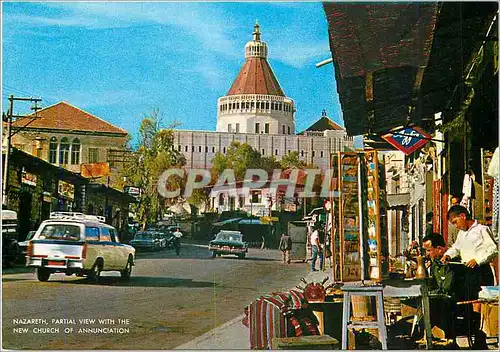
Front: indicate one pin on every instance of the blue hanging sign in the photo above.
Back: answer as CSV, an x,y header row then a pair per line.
x,y
408,140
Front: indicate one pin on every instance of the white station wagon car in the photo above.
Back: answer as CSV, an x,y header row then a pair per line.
x,y
75,243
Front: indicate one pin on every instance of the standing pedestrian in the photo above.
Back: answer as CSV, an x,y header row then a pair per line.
x,y
474,244
317,249
263,245
177,241
285,247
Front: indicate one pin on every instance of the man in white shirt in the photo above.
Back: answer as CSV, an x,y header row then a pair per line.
x,y
177,240
317,250
474,244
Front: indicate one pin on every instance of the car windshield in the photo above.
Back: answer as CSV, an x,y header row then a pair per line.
x,y
229,236
144,236
60,232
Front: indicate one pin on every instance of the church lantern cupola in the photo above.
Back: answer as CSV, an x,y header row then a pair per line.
x,y
255,103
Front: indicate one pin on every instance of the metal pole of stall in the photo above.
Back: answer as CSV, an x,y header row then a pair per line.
x,y
361,220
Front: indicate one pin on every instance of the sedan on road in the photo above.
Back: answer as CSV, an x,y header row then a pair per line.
x,y
148,240
228,242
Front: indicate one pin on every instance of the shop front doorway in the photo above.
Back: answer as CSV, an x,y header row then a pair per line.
x,y
24,216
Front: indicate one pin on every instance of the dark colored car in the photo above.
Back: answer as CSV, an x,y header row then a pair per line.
x,y
228,242
10,246
148,240
23,246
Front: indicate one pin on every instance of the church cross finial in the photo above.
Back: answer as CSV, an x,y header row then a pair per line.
x,y
256,31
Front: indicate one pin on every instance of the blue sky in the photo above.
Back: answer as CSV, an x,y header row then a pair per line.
x,y
119,61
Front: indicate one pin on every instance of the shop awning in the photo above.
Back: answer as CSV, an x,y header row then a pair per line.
x,y
399,63
379,52
398,201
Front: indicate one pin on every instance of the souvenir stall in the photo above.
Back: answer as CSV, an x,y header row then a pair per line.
x,y
361,239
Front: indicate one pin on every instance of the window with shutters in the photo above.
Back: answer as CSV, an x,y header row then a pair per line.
x,y
75,152
93,155
64,151
53,150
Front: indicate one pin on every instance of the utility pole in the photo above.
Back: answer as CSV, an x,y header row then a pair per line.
x,y
10,115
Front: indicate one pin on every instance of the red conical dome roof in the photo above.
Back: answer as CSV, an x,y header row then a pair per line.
x,y
256,76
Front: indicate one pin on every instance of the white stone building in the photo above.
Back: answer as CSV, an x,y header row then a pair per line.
x,y
256,111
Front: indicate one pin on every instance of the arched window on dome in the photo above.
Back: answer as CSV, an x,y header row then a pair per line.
x,y
75,152
64,151
53,150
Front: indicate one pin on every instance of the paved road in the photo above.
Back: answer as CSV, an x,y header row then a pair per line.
x,y
169,301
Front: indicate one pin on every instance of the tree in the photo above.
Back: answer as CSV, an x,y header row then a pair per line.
x,y
153,154
292,160
239,157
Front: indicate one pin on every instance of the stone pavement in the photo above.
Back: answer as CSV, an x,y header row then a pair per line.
x,y
233,335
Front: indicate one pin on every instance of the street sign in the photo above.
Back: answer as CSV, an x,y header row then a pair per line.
x,y
408,140
95,170
133,191
268,219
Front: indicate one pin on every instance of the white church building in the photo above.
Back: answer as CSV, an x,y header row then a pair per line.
x,y
256,111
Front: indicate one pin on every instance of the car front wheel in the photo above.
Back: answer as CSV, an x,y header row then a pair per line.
x,y
42,274
241,255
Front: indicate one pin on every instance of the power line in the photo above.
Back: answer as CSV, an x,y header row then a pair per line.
x,y
9,87
48,101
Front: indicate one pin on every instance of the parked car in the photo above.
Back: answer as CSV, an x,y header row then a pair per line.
x,y
23,246
148,240
76,243
10,246
228,242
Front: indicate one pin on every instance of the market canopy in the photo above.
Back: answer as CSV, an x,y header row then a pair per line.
x,y
399,63
398,201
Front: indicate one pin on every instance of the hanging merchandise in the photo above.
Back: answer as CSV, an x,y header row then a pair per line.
x,y
350,260
467,186
494,190
363,242
496,207
493,168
